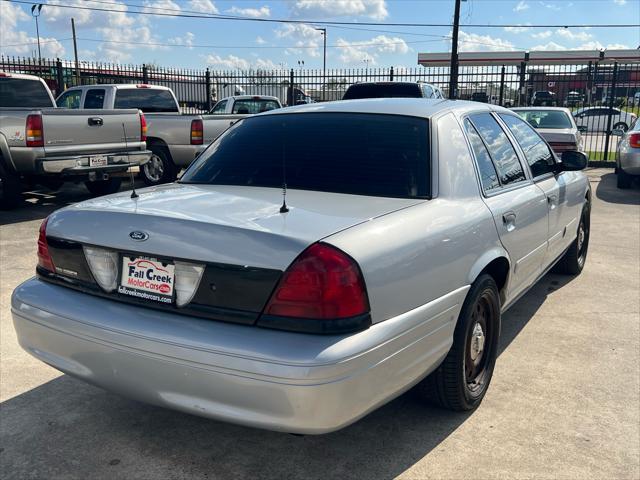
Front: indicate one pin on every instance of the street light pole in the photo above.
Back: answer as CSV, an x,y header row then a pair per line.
x,y
453,69
35,13
324,61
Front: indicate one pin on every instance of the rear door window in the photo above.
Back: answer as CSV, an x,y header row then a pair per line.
x,y
488,174
536,151
150,100
20,92
94,98
502,152
356,153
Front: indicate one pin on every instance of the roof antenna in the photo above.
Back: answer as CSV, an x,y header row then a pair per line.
x,y
126,146
284,208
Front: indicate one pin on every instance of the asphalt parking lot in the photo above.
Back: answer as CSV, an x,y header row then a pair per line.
x,y
564,401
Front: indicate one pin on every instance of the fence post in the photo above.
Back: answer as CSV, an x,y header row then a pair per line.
x,y
290,94
391,75
589,82
207,80
500,101
59,76
145,74
522,94
611,98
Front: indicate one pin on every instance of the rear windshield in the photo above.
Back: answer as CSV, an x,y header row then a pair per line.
x,y
251,106
383,90
146,99
353,153
18,92
546,118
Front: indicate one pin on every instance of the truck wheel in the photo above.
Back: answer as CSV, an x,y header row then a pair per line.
x,y
572,262
10,191
623,179
104,187
462,380
160,168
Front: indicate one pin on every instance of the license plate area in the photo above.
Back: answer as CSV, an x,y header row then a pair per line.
x,y
147,278
98,161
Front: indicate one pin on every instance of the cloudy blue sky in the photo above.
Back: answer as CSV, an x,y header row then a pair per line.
x,y
120,35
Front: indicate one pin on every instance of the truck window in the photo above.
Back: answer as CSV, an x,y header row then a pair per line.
x,y
150,100
220,107
20,92
94,98
252,106
358,154
69,99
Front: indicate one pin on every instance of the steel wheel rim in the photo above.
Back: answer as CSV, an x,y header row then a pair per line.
x,y
479,343
154,168
583,231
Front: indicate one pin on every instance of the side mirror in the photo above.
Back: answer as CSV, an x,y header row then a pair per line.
x,y
618,132
572,160
582,128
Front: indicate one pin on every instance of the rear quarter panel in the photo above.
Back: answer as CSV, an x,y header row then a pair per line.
x,y
419,254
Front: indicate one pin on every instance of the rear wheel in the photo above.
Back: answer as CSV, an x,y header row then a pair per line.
x,y
574,259
621,126
463,378
104,187
160,168
623,179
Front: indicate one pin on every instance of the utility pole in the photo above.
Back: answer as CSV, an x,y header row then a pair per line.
x,y
453,69
75,51
35,13
324,61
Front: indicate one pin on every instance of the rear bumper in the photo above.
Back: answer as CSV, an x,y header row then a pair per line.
x,y
630,161
275,380
80,164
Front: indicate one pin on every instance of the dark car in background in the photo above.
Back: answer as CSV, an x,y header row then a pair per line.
x,y
544,99
480,97
392,90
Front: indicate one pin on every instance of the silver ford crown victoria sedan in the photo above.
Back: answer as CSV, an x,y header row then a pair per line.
x,y
407,228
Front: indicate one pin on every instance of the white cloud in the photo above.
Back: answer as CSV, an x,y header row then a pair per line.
x,y
306,39
14,41
187,40
203,6
542,35
595,45
521,6
518,29
260,40
575,36
549,46
550,6
376,9
357,52
157,6
237,63
620,2
262,12
473,42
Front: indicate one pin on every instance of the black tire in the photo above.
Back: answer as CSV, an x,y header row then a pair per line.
x,y
10,191
621,126
459,383
574,259
104,187
160,168
623,179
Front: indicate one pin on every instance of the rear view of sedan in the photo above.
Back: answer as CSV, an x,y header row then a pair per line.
x,y
556,125
312,264
628,155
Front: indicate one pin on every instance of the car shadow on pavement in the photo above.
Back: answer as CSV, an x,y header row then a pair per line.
x,y
608,192
66,428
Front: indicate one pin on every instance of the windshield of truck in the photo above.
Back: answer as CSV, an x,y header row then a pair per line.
x,y
149,100
253,106
383,90
546,118
353,153
24,93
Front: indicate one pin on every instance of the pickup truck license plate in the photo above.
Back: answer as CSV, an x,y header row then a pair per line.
x,y
98,161
147,278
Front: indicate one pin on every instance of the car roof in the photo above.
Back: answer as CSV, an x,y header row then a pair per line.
x,y
250,97
120,86
385,82
557,109
414,107
21,76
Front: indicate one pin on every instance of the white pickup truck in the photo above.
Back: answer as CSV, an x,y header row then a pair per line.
x,y
175,139
40,143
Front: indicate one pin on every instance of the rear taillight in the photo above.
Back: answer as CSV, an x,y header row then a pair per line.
x,y
322,283
143,128
634,140
104,267
197,135
44,257
34,131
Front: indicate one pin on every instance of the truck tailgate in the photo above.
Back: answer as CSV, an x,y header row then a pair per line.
x,y
69,131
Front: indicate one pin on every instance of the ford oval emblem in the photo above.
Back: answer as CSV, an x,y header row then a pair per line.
x,y
139,236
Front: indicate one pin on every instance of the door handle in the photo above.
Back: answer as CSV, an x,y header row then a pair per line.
x,y
509,220
552,200
95,122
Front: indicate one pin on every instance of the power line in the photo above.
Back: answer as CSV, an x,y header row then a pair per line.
x,y
145,11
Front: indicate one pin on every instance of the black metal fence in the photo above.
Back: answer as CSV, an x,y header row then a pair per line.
x,y
610,91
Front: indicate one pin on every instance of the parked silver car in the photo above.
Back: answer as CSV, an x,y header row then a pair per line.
x,y
407,228
628,155
556,125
